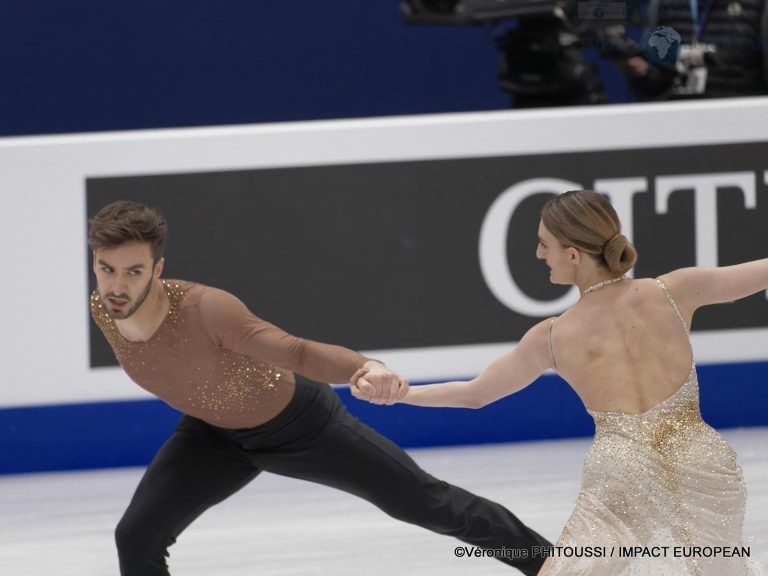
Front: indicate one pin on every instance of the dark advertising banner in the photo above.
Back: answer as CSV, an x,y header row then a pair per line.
x,y
442,253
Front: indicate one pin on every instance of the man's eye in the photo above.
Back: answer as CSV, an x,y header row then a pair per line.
x,y
134,272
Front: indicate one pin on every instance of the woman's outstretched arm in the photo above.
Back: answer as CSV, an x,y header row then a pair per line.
x,y
510,373
701,286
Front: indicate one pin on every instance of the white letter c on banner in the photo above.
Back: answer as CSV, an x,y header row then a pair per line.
x,y
493,248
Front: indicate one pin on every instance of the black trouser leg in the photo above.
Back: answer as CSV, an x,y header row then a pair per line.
x,y
335,449
315,439
193,470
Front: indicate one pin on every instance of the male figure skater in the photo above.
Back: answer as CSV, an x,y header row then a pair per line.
x,y
252,400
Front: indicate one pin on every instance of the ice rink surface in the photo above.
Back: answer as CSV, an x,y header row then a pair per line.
x,y
62,524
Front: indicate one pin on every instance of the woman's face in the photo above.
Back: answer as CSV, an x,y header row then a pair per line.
x,y
557,258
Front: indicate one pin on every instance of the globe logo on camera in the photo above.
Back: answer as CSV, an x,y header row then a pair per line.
x,y
661,45
599,12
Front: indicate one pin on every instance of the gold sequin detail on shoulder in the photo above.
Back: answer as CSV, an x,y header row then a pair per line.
x,y
120,345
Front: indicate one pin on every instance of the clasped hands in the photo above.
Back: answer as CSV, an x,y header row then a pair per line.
x,y
377,384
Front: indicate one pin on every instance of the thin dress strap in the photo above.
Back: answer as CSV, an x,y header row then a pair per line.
x,y
549,345
673,303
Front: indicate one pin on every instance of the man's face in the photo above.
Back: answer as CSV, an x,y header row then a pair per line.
x,y
124,277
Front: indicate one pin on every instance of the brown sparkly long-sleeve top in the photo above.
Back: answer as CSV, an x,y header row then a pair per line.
x,y
213,359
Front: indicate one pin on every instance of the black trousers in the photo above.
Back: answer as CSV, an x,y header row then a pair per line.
x,y
314,439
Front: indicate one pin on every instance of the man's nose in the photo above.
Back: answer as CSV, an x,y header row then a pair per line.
x,y
118,286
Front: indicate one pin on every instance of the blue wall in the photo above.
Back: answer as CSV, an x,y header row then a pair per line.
x,y
128,433
89,65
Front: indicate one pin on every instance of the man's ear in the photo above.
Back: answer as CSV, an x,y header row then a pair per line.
x,y
158,268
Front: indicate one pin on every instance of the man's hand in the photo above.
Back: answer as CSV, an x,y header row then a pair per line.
x,y
636,66
377,384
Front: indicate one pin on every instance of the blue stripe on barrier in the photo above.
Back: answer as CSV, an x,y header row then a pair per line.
x,y
116,434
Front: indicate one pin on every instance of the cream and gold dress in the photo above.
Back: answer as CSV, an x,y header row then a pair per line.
x,y
661,495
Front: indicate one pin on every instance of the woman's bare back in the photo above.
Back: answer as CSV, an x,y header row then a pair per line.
x,y
623,348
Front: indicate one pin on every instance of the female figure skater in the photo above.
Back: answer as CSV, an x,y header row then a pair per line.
x,y
656,473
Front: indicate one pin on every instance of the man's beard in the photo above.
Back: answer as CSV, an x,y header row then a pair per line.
x,y
122,315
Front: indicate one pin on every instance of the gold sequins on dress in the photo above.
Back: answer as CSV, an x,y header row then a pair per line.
x,y
661,495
